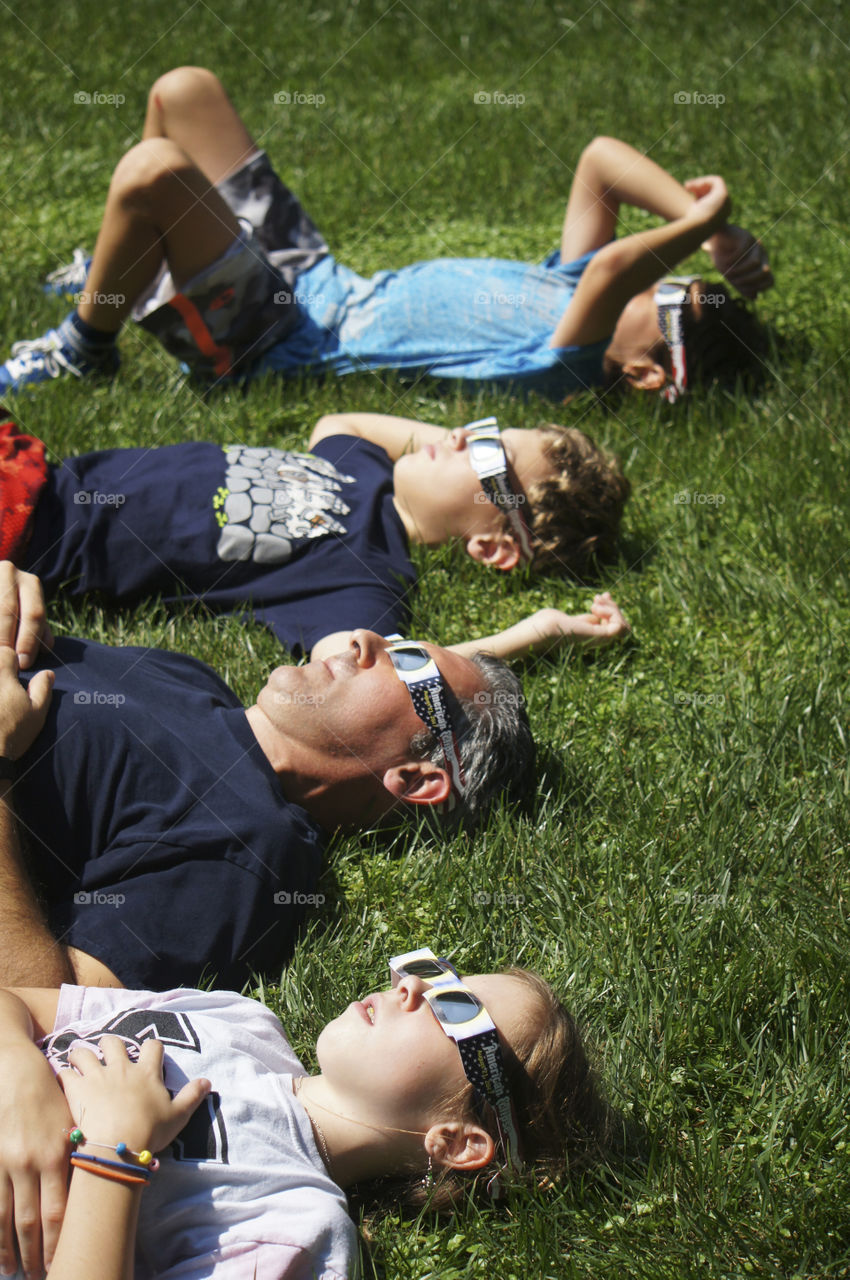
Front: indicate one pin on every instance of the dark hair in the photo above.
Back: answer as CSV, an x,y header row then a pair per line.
x,y
727,343
575,514
496,744
563,1118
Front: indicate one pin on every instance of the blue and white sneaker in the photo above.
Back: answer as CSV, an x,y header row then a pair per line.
x,y
67,281
55,355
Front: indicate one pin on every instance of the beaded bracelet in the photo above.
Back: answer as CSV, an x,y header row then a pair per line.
x,y
111,1170
146,1159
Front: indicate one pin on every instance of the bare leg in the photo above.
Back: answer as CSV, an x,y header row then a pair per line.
x,y
611,173
159,206
161,202
189,106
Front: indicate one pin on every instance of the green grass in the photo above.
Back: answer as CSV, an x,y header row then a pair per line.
x,y
683,878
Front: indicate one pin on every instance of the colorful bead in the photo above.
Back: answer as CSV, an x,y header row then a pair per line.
x,y
121,1148
76,1135
145,1157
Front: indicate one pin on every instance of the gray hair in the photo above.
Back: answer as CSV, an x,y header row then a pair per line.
x,y
496,744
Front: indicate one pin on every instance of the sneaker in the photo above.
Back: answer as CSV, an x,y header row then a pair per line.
x,y
53,356
69,280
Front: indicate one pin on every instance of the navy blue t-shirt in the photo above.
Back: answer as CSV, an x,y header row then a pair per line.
x,y
311,543
154,826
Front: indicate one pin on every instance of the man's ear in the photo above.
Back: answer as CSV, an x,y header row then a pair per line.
x,y
459,1145
644,374
419,782
500,550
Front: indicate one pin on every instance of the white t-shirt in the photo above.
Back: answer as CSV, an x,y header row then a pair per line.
x,y
242,1191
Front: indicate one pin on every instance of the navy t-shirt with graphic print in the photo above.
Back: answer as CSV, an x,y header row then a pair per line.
x,y
311,543
154,827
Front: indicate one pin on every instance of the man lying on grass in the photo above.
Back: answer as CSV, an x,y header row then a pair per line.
x,y
173,835
317,544
203,245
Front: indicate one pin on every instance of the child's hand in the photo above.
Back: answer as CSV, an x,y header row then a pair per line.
x,y
604,624
122,1101
740,259
712,205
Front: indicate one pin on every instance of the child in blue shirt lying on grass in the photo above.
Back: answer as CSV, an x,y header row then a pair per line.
x,y
204,246
317,544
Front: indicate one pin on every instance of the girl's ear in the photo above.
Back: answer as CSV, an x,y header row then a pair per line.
x,y
459,1145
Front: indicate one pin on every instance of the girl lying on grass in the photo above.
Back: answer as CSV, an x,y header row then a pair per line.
x,y
436,1084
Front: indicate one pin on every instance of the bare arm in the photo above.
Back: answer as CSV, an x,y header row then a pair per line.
x,y
540,632
33,1118
626,267
394,435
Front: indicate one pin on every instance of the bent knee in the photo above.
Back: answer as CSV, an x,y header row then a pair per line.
x,y
147,166
184,86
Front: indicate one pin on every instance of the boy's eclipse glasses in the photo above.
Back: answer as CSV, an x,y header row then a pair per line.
x,y
487,456
672,294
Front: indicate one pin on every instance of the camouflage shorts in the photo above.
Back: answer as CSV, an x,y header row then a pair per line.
x,y
243,303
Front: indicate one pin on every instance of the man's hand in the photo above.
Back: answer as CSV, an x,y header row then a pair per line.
x,y
740,259
23,620
23,710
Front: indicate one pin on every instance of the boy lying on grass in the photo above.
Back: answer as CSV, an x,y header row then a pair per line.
x,y
203,245
317,544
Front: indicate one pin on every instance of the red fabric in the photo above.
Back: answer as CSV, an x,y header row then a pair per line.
x,y
23,474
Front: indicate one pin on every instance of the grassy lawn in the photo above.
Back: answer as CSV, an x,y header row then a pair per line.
x,y
683,877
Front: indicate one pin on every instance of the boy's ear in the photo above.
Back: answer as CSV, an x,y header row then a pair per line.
x,y
500,550
644,374
419,782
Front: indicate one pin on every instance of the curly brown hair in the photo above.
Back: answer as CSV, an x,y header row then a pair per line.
x,y
575,514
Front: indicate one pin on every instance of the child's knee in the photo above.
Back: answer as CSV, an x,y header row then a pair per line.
x,y
143,170
184,86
